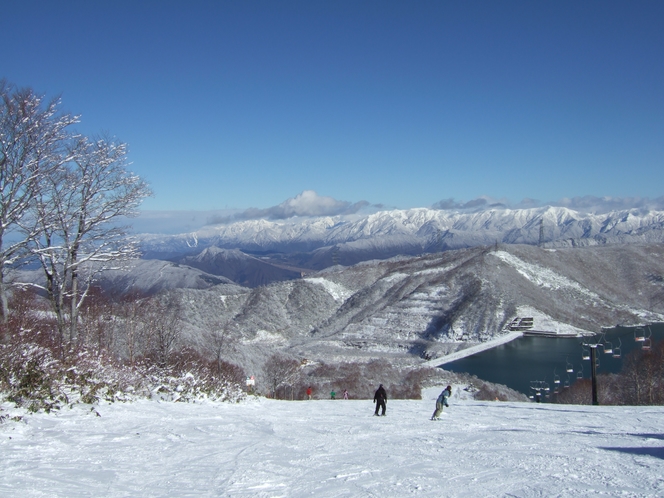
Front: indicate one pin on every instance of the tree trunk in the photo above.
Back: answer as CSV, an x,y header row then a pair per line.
x,y
73,314
4,307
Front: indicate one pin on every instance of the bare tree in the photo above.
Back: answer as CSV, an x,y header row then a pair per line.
x,y
218,341
280,369
655,292
162,317
77,211
32,134
97,321
131,327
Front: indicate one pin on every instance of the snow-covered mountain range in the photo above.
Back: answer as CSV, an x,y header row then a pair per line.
x,y
323,241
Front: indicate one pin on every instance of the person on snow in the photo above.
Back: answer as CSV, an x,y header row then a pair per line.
x,y
380,398
309,392
333,395
441,401
345,393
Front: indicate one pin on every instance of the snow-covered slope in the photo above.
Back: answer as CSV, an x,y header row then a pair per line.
x,y
268,448
143,277
240,268
419,308
388,233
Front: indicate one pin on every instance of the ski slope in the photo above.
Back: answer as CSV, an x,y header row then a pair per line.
x,y
268,448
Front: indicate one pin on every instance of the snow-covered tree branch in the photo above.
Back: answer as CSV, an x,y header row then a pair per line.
x,y
77,211
32,135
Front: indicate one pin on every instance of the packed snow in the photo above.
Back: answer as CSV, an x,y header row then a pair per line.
x,y
269,448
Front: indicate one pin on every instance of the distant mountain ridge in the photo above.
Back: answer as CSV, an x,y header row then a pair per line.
x,y
350,239
142,277
241,268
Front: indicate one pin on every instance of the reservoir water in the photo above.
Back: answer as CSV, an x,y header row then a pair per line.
x,y
531,358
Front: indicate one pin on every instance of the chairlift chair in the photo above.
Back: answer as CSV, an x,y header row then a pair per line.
x,y
556,377
535,387
608,347
566,384
639,334
569,368
645,345
585,352
616,350
579,373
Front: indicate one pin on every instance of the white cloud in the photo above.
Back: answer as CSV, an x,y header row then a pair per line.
x,y
308,203
585,204
605,204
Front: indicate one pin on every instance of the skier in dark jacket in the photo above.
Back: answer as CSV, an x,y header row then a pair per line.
x,y
380,398
441,401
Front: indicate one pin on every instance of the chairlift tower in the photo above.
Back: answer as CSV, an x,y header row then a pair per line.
x,y
538,388
541,232
593,371
593,367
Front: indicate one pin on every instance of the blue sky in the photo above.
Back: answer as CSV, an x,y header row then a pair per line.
x,y
247,104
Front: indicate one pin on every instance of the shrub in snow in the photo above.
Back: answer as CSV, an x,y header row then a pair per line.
x,y
29,376
190,387
489,393
362,378
39,377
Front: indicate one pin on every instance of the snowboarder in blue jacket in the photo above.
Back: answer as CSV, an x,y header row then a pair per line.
x,y
441,401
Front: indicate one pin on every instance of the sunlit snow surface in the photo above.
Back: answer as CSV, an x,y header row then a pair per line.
x,y
269,448
543,277
338,292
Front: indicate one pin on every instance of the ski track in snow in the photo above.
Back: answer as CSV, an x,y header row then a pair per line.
x,y
270,448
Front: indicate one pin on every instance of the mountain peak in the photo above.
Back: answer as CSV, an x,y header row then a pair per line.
x,y
419,230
